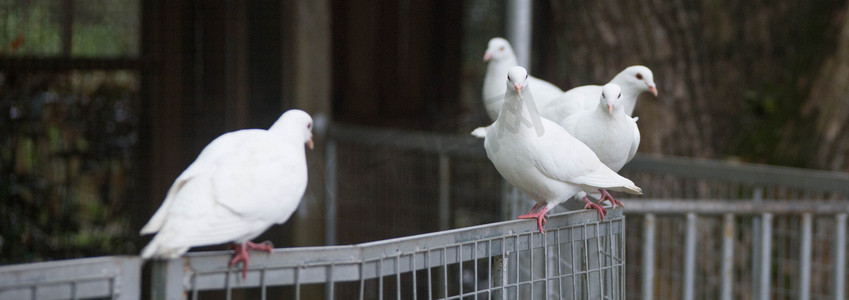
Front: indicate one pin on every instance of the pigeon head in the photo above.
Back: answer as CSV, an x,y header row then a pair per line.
x,y
498,49
611,93
296,122
640,78
517,78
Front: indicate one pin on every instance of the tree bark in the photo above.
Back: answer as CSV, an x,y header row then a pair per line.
x,y
730,75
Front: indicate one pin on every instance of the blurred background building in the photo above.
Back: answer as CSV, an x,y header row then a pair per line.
x,y
103,104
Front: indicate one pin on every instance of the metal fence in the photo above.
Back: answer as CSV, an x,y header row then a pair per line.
x,y
577,258
111,277
739,230
703,230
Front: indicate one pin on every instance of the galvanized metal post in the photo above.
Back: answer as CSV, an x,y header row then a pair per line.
x,y
330,194
519,29
756,242
690,256
805,257
444,192
839,274
167,280
648,257
727,257
765,257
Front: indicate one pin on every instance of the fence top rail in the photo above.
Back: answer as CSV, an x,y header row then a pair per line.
x,y
123,274
715,206
466,145
300,256
753,174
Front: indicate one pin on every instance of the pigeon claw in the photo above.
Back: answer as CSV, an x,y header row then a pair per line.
x,y
242,255
606,196
539,216
591,205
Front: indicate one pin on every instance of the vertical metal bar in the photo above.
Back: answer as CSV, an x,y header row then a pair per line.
x,y
460,267
444,272
444,192
74,290
586,255
329,287
492,269
262,285
623,255
559,264
757,196
805,257
839,274
330,194
297,283
429,276
475,260
380,278
727,275
765,263
531,264
519,29
599,262
166,279
648,257
690,256
362,280
398,276
413,272
517,261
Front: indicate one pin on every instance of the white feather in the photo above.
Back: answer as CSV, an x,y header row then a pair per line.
x,y
242,183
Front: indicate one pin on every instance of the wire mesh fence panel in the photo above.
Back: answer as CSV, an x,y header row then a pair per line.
x,y
110,277
577,258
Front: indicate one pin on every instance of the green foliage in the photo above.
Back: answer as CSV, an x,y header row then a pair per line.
x,y
66,173
99,28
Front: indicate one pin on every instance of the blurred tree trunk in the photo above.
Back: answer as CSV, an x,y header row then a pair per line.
x,y
731,75
826,107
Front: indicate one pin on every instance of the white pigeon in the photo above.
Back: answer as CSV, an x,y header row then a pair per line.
x,y
541,158
607,131
634,80
501,58
242,183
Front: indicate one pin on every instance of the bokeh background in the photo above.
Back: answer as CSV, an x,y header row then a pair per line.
x,y
102,104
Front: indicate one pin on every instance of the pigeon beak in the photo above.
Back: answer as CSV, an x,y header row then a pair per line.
x,y
487,56
310,144
653,90
610,108
518,87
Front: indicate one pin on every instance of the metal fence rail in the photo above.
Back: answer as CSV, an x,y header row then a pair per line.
x,y
739,230
111,277
577,258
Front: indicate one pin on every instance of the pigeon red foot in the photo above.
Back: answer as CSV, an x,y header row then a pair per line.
x,y
537,213
591,205
606,196
243,256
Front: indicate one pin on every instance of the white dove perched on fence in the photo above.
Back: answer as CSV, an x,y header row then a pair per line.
x,y
241,183
633,81
612,135
541,158
500,57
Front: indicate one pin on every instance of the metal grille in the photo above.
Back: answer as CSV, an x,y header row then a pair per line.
x,y
738,230
577,258
111,277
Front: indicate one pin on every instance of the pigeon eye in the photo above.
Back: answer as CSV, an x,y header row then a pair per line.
x,y
526,77
501,49
309,125
620,96
639,76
